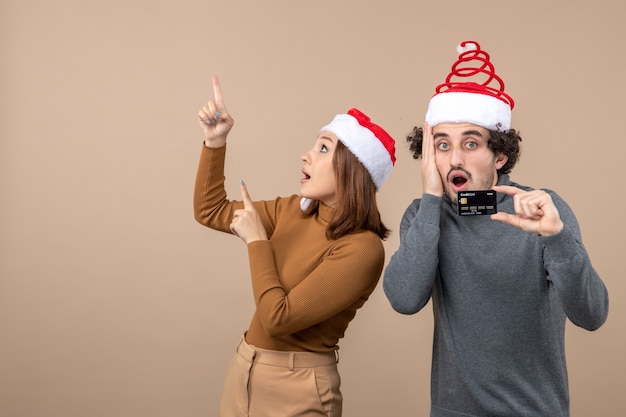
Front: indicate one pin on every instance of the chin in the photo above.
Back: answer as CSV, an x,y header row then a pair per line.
x,y
452,195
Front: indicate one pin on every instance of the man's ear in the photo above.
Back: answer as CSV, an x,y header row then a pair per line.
x,y
501,160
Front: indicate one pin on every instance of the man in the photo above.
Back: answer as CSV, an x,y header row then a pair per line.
x,y
502,284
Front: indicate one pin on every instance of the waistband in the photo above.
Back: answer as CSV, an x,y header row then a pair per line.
x,y
285,359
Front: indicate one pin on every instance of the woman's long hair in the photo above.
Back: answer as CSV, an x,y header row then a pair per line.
x,y
356,207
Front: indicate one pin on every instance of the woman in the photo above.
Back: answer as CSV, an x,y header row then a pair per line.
x,y
315,258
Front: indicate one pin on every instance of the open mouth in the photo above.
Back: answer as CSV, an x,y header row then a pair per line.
x,y
458,179
306,176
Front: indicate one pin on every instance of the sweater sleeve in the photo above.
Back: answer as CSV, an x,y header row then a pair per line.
x,y
340,284
211,206
583,294
412,269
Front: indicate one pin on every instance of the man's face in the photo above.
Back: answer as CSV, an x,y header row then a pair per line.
x,y
463,158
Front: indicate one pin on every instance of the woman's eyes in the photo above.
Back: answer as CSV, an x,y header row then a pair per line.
x,y
323,149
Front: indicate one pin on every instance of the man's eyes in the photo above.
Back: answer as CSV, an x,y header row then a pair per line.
x,y
444,146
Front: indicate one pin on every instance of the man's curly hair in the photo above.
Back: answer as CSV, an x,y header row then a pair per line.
x,y
506,142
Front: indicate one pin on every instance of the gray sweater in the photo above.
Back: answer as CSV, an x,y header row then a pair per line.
x,y
500,299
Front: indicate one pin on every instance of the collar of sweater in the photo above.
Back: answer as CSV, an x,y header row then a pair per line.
x,y
325,212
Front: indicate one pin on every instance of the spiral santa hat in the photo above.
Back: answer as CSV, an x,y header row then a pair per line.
x,y
472,93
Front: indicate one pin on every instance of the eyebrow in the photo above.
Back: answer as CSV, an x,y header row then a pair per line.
x,y
466,133
327,138
472,132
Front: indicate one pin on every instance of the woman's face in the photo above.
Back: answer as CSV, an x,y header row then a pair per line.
x,y
319,182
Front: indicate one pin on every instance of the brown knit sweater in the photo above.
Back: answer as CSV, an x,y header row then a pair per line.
x,y
306,288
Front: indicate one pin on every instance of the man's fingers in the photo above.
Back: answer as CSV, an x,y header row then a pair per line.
x,y
511,220
427,129
427,142
504,218
507,189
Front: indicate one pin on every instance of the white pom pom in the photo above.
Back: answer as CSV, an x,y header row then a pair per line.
x,y
305,203
469,46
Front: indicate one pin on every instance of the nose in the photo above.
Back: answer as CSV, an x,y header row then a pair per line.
x,y
305,157
456,157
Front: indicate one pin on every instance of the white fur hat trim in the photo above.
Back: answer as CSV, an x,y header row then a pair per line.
x,y
364,145
461,107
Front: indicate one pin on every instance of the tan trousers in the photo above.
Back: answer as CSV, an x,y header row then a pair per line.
x,y
268,383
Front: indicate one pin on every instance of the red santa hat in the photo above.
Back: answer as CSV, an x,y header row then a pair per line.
x,y
370,143
472,93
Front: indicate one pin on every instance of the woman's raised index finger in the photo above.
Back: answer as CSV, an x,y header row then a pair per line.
x,y
247,200
217,92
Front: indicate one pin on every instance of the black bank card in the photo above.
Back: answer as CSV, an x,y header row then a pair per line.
x,y
477,203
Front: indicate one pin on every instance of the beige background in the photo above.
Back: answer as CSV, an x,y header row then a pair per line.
x,y
114,302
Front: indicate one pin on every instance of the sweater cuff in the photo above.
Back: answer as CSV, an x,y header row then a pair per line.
x,y
430,209
207,152
561,246
262,267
